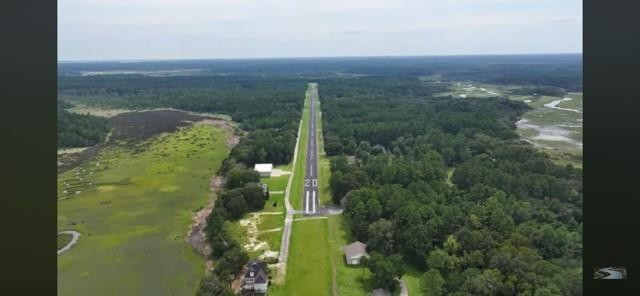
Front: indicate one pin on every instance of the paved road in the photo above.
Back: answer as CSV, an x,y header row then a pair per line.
x,y
310,197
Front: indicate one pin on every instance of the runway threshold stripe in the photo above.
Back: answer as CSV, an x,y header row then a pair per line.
x,y
307,199
313,201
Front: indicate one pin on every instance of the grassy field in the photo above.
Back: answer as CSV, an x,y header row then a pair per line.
x,y
471,89
576,103
324,169
411,278
298,179
134,209
349,280
556,132
309,268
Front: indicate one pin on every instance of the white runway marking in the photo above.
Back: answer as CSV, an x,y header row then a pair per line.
x,y
307,199
313,202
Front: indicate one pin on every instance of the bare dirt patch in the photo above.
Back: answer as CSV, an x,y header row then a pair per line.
x,y
196,236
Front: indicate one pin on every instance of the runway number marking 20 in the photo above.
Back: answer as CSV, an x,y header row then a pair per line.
x,y
308,183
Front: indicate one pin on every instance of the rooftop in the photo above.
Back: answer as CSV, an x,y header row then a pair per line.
x,y
263,167
257,271
355,249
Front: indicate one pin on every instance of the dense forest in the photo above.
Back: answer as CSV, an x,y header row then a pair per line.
x,y
440,183
506,222
557,70
268,108
79,130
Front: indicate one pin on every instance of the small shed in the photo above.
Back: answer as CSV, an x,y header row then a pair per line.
x,y
264,169
354,252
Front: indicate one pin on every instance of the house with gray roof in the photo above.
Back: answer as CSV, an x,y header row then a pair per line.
x,y
255,280
354,252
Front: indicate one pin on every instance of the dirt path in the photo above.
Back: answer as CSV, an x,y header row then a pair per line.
x,y
74,240
196,236
403,288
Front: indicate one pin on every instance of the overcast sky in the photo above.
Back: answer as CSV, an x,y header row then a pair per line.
x,y
186,29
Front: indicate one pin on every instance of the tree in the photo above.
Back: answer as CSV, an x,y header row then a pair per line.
x,y
239,177
487,283
254,196
432,283
231,262
235,204
437,259
364,262
380,235
451,245
212,285
385,270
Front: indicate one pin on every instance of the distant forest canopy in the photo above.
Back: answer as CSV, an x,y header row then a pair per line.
x,y
268,107
447,185
79,130
559,70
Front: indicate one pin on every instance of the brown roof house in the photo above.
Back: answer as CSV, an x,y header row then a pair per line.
x,y
256,279
354,252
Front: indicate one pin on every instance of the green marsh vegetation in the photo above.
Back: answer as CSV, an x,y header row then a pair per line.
x,y
134,209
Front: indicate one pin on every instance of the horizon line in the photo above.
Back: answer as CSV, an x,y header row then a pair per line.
x,y
87,60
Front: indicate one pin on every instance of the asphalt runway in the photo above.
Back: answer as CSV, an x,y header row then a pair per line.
x,y
310,197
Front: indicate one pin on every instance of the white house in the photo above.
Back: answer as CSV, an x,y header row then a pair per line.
x,y
354,252
264,169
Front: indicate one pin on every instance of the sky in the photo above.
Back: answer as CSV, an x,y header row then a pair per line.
x,y
227,29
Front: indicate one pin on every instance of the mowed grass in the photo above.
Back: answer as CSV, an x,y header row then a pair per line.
x,y
275,203
324,168
411,278
356,280
349,280
308,266
134,210
297,182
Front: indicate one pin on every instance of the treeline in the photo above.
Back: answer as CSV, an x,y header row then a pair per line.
x,y
560,70
268,108
241,195
80,130
506,222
